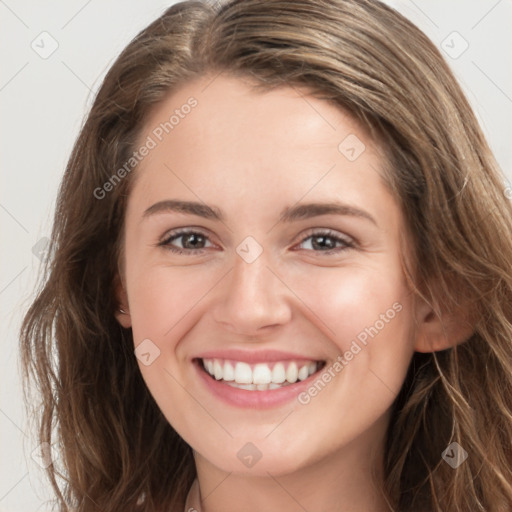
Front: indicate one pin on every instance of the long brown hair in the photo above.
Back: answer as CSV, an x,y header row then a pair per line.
x,y
115,445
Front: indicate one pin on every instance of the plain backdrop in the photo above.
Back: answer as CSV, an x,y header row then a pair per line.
x,y
53,57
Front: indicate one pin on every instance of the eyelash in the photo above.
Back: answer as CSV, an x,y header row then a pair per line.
x,y
347,243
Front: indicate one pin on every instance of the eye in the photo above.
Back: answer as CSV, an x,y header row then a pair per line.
x,y
188,241
327,241
191,242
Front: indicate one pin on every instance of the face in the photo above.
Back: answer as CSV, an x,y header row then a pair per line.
x,y
262,277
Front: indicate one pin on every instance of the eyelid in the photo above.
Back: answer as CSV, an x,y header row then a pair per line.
x,y
164,241
183,231
349,241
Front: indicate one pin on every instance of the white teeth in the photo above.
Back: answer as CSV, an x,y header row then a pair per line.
x,y
303,373
229,372
260,376
278,373
253,387
243,373
292,373
217,369
248,387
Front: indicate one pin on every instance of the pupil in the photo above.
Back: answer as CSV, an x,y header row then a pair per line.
x,y
191,240
325,242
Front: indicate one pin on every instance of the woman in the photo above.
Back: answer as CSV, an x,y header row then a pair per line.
x,y
280,274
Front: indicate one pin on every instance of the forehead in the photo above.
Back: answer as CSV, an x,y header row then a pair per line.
x,y
217,137
228,108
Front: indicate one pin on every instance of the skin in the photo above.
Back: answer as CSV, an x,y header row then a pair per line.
x,y
252,155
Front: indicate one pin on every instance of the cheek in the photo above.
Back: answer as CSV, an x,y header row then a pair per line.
x,y
161,297
164,303
367,316
365,312
348,300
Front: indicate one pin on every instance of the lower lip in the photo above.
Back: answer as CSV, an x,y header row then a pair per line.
x,y
253,399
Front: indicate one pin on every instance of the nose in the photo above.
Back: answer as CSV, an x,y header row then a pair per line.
x,y
252,298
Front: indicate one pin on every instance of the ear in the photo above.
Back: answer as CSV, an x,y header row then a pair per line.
x,y
444,329
122,312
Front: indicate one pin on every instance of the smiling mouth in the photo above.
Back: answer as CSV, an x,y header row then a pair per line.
x,y
259,376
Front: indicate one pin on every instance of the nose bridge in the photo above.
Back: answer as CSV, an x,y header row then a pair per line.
x,y
251,279
252,296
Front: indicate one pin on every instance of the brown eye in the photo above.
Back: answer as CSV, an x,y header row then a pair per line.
x,y
192,241
326,241
185,242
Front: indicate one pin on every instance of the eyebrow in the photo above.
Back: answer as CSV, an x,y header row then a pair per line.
x,y
289,214
190,207
308,210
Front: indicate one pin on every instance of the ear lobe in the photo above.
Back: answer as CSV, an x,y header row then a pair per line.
x,y
435,332
123,317
122,312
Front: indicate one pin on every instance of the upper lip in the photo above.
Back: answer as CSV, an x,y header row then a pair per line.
x,y
253,356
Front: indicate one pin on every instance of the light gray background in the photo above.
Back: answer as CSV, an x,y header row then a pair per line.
x,y
43,101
